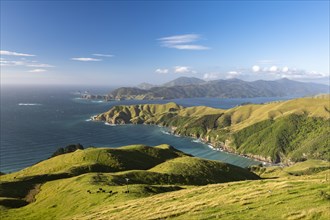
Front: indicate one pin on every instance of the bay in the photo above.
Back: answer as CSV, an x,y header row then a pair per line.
x,y
35,121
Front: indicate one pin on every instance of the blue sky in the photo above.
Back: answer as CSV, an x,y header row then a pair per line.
x,y
126,43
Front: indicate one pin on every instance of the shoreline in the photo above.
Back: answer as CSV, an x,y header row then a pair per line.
x,y
199,140
212,147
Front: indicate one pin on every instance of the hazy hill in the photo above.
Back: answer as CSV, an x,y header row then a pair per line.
x,y
145,86
279,132
184,81
188,87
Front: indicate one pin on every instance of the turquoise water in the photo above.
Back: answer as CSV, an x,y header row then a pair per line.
x,y
35,121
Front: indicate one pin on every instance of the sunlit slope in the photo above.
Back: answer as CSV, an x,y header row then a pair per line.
x,y
207,171
50,190
281,197
171,190
278,132
137,157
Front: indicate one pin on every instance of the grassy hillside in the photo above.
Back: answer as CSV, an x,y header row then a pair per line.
x,y
135,157
294,136
97,176
285,198
285,131
169,190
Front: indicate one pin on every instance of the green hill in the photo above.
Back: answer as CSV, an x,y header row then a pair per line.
x,y
285,131
38,191
163,183
135,157
290,197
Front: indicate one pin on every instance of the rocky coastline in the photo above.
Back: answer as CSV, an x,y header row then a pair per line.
x,y
216,146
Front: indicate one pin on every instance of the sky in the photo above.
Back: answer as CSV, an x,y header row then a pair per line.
x,y
130,42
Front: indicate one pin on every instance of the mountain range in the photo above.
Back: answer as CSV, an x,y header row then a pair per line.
x,y
190,87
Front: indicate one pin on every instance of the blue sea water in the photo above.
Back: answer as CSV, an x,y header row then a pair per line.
x,y
35,121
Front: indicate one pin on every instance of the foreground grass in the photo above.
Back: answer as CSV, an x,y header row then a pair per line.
x,y
73,183
283,195
283,198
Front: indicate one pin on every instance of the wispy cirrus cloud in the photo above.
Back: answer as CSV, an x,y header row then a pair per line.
x,y
182,42
85,59
24,62
11,53
41,65
37,71
102,55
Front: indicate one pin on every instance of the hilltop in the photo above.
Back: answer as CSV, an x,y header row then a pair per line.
x,y
276,132
73,183
181,81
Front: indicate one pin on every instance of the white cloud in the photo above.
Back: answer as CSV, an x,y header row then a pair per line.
x,y
183,69
189,47
285,69
37,70
301,74
4,62
85,59
162,71
232,74
102,55
182,42
23,62
11,53
212,76
180,39
256,68
273,69
42,65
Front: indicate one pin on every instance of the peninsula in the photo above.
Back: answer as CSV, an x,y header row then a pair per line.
x,y
278,132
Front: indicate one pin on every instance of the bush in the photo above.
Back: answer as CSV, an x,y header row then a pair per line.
x,y
68,149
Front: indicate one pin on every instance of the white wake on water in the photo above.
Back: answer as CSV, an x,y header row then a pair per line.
x,y
29,104
106,123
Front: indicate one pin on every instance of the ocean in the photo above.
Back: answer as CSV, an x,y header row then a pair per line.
x,y
35,121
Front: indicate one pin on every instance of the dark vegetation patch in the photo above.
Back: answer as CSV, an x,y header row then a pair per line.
x,y
68,149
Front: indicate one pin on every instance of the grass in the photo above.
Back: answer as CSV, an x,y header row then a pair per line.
x,y
54,190
303,197
100,160
293,137
169,190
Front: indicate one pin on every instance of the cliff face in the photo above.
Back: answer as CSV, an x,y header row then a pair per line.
x,y
276,132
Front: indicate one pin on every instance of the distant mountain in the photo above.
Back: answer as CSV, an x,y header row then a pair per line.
x,y
184,81
232,88
145,85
